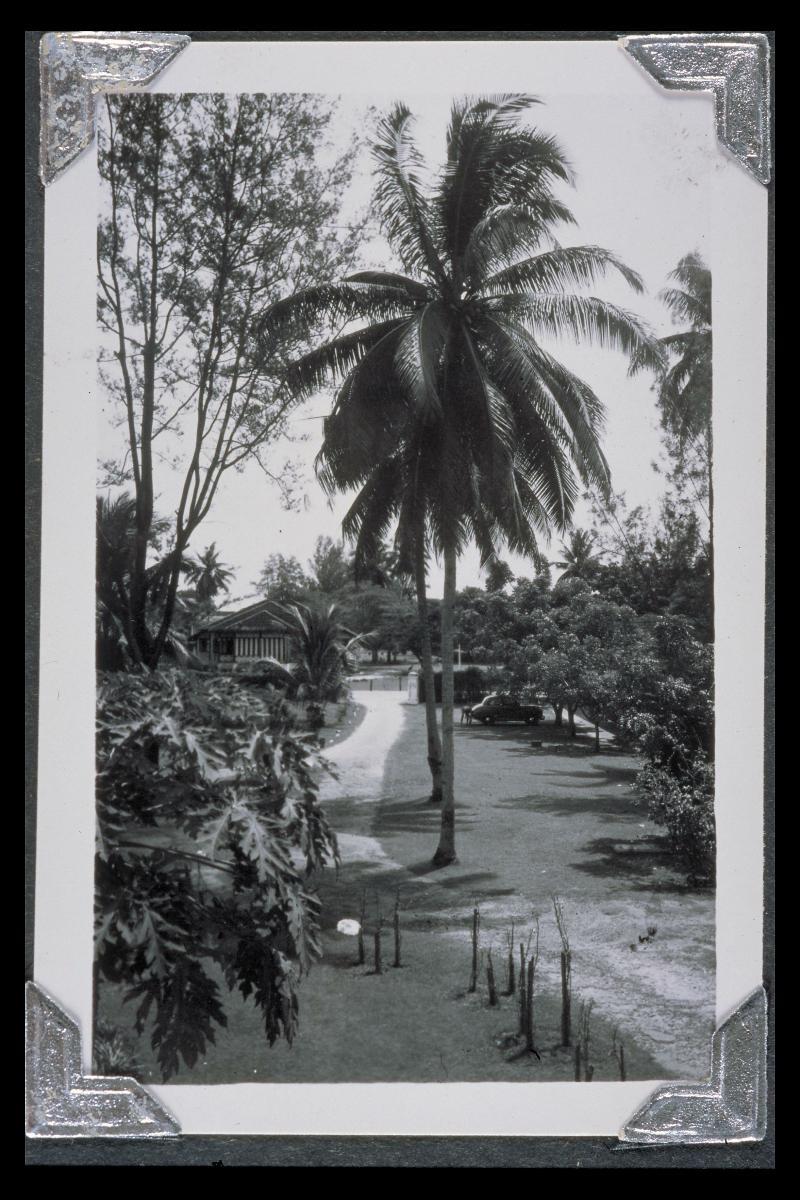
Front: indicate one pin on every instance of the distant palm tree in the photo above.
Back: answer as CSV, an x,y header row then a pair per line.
x,y
321,654
580,561
208,574
448,402
685,383
684,392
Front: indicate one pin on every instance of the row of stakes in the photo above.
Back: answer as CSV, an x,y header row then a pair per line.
x,y
522,983
377,935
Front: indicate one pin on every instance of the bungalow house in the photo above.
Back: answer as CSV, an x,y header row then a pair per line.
x,y
244,636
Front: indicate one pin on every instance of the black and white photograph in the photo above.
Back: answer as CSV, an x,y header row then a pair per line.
x,y
410,578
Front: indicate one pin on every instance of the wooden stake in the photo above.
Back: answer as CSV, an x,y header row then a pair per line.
x,y
566,999
473,979
362,957
566,973
522,993
529,1040
397,932
378,965
490,980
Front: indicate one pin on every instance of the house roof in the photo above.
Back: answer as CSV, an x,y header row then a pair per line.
x,y
256,618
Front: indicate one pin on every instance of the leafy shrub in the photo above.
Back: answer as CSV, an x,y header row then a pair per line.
x,y
208,833
684,805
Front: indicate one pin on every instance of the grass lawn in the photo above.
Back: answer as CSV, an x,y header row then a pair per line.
x,y
538,813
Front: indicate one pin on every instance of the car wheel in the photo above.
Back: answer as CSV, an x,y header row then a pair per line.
x,y
489,721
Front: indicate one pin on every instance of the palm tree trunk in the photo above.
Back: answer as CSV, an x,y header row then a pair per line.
x,y
426,655
446,851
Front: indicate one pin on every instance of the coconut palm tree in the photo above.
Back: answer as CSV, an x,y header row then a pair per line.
x,y
580,560
685,384
208,574
684,391
448,399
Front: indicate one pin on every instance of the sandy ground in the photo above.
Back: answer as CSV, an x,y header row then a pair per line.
x,y
537,814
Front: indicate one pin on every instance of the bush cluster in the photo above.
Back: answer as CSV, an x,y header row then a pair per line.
x,y
208,837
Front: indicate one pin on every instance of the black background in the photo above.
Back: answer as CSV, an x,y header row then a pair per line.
x,y
199,1151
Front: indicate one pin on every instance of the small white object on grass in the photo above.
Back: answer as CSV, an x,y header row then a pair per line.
x,y
348,926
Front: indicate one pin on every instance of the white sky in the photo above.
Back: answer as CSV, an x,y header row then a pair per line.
x,y
641,157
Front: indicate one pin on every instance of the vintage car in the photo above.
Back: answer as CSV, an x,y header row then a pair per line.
x,y
498,707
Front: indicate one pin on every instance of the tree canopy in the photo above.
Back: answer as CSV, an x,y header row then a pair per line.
x,y
212,206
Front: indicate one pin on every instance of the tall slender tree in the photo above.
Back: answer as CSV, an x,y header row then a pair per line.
x,y
212,206
448,399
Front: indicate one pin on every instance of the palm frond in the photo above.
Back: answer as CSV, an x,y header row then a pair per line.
x,y
416,290
369,413
475,143
370,516
494,431
685,397
544,437
684,306
400,196
693,275
586,319
418,358
491,161
330,304
480,518
525,516
533,379
566,266
508,231
333,360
